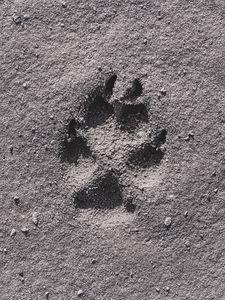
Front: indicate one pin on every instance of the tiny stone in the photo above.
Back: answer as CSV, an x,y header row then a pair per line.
x,y
188,244
16,200
35,218
47,295
63,4
62,24
93,261
163,92
26,17
25,85
186,213
25,230
5,250
167,221
17,20
33,130
215,191
157,289
22,279
167,289
13,232
51,117
80,293
159,17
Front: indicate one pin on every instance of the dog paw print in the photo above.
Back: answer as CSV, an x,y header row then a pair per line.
x,y
109,148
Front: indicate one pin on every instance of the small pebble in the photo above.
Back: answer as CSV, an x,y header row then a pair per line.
x,y
190,136
25,230
16,200
13,232
186,214
33,130
159,17
17,19
167,221
25,86
35,218
167,289
47,295
5,251
80,293
26,17
63,4
188,244
22,279
163,92
157,289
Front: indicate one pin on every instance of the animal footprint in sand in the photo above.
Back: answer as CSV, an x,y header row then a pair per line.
x,y
108,146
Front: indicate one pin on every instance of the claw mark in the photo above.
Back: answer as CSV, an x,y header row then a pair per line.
x,y
133,92
73,145
109,85
99,109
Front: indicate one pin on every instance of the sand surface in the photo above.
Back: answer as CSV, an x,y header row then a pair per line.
x,y
112,150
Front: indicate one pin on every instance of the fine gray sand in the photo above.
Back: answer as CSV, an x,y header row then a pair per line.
x,y
112,148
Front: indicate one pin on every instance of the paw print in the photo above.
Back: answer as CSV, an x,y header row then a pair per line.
x,y
110,149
